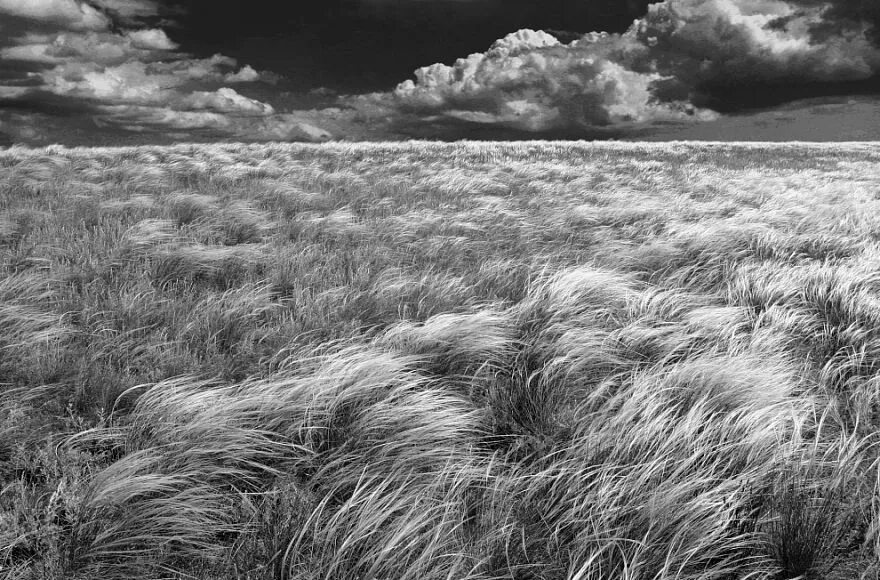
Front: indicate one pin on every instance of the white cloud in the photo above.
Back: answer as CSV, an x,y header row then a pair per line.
x,y
70,13
226,100
151,39
290,127
129,82
96,48
245,75
118,72
520,42
680,49
530,81
132,76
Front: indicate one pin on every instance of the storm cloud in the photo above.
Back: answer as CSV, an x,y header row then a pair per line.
x,y
673,64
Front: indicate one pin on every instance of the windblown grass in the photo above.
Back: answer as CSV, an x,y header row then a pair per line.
x,y
413,361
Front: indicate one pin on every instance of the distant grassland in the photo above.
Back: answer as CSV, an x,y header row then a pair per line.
x,y
425,361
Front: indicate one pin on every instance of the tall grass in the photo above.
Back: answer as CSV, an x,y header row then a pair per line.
x,y
532,360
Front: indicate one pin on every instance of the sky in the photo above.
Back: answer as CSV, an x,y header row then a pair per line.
x,y
108,72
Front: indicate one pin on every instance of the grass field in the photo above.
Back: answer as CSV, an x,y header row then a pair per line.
x,y
416,361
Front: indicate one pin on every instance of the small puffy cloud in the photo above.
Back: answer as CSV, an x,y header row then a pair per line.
x,y
70,14
311,132
289,127
226,100
245,75
151,39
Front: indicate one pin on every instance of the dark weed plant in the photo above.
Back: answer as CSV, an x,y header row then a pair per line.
x,y
530,361
818,514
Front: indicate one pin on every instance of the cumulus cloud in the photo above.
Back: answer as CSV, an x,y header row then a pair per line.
x,y
120,72
246,75
662,69
226,100
130,82
103,58
97,48
529,80
150,39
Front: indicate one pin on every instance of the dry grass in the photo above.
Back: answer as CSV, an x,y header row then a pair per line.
x,y
438,361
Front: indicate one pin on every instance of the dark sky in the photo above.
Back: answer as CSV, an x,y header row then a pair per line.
x,y
89,72
370,45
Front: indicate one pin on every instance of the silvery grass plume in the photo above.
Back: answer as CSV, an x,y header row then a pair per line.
x,y
588,432
32,331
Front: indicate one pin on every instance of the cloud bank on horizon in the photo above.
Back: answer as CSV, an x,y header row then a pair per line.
x,y
670,65
112,63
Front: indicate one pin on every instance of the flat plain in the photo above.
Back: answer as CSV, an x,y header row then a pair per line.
x,y
531,360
